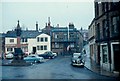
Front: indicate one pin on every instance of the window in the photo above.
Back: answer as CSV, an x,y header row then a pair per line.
x,y
38,47
115,22
11,40
46,39
56,45
41,47
38,39
56,36
105,31
104,51
24,40
98,31
41,39
45,47
9,49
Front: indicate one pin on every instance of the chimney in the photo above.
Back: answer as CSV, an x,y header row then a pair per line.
x,y
49,21
71,25
36,26
57,25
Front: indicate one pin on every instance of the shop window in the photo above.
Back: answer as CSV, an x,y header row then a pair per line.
x,y
9,49
104,51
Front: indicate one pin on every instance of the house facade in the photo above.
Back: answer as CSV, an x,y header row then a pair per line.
x,y
107,23
91,39
31,41
64,39
34,44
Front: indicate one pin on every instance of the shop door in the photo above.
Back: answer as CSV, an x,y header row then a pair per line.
x,y
116,52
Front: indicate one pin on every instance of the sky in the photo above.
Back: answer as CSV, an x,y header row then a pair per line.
x,y
79,13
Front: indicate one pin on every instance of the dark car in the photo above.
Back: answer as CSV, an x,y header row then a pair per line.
x,y
47,55
77,60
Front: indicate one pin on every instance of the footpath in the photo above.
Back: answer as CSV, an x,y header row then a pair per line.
x,y
91,65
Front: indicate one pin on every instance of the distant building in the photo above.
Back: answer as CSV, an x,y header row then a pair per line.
x,y
64,39
107,23
31,41
2,43
91,39
84,32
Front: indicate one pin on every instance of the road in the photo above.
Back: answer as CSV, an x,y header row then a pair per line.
x,y
57,68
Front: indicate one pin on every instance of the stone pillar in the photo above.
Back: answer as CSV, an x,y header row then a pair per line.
x,y
18,42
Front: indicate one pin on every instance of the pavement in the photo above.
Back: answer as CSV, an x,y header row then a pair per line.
x,y
91,65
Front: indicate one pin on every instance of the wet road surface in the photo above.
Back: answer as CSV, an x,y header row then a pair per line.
x,y
57,68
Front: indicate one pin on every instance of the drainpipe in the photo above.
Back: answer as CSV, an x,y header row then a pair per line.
x,y
108,36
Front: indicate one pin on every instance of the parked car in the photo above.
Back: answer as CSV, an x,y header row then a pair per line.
x,y
34,58
55,54
47,55
9,56
77,59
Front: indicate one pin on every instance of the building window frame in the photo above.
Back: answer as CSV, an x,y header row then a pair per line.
x,y
38,39
45,47
9,49
41,39
115,22
46,39
11,40
41,48
104,53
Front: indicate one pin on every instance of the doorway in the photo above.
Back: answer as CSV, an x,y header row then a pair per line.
x,y
34,50
116,53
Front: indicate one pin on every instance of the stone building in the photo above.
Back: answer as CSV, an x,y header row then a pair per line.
x,y
107,24
64,39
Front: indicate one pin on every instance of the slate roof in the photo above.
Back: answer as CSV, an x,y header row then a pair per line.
x,y
25,34
63,29
2,35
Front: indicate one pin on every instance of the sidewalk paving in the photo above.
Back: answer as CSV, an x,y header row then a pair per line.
x,y
91,65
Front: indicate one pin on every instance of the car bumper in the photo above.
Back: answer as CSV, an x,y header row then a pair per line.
x,y
75,64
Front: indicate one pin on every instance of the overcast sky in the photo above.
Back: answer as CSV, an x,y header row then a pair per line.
x,y
79,13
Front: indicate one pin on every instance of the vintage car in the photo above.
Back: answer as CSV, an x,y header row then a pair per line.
x,y
9,56
47,55
77,60
34,58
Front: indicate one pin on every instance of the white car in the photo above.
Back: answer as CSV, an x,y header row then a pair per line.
x,y
9,56
55,54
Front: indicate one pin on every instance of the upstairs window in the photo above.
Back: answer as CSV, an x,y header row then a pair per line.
x,y
38,39
24,40
115,22
41,39
11,40
46,39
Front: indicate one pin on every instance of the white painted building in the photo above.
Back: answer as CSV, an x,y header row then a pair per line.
x,y
10,44
31,42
